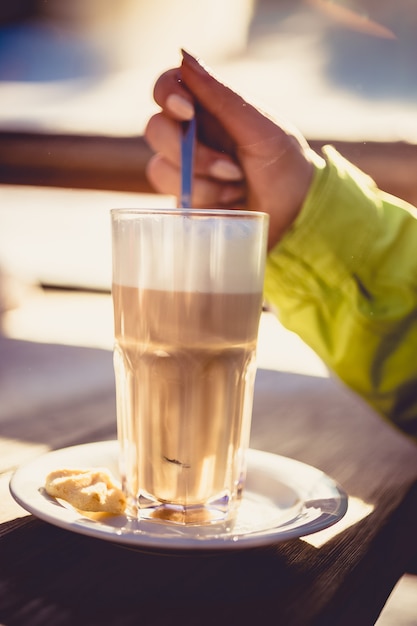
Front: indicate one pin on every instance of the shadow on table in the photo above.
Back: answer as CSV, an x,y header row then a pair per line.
x,y
68,391
47,572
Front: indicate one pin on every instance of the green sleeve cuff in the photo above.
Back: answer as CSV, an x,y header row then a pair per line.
x,y
336,227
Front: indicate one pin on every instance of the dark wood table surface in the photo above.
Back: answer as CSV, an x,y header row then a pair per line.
x,y
54,396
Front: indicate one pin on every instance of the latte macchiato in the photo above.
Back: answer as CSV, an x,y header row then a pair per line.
x,y
185,367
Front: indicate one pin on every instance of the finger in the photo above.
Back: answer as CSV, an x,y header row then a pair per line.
x,y
173,97
240,119
164,176
251,129
163,135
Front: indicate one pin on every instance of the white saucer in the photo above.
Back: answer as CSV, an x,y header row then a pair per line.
x,y
283,499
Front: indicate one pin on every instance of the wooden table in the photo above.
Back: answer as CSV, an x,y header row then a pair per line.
x,y
55,396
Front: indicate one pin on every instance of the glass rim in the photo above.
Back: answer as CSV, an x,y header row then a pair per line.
x,y
190,212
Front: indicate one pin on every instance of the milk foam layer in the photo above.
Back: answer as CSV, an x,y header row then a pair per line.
x,y
189,253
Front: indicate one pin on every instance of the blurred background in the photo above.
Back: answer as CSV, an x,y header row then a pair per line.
x,y
76,81
341,69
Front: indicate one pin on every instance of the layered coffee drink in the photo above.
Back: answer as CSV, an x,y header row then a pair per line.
x,y
185,345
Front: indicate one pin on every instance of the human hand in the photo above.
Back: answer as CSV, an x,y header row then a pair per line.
x,y
243,158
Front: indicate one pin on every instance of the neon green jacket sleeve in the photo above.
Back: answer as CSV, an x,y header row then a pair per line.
x,y
344,278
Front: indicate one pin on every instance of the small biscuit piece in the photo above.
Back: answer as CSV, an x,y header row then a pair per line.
x,y
87,489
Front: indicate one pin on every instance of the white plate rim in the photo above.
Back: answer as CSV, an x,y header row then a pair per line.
x,y
323,503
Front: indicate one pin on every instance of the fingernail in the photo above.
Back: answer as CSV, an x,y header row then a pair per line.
x,y
181,107
226,170
193,62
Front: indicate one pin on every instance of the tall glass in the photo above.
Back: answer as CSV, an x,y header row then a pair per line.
x,y
187,296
